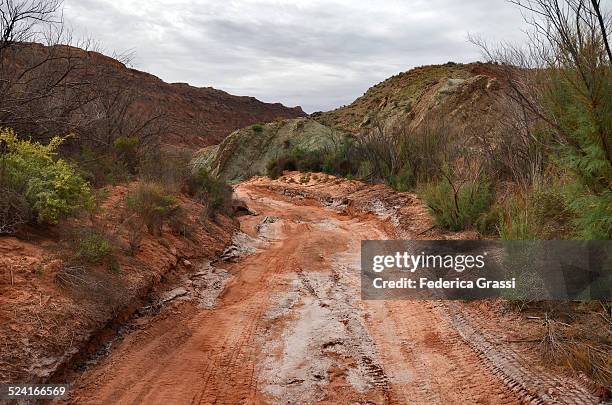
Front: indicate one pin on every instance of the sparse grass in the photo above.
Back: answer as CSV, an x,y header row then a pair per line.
x,y
94,247
543,214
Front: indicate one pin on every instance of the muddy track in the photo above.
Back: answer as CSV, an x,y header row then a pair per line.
x,y
283,323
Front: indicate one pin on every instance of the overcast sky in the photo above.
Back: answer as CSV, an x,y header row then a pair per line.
x,y
319,54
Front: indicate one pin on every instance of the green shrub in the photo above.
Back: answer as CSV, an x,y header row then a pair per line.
x,y
488,223
51,187
94,247
581,107
543,214
592,213
327,161
516,223
275,168
126,144
294,159
153,205
257,127
209,190
457,210
402,181
126,150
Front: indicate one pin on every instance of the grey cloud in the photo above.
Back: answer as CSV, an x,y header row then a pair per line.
x,y
318,54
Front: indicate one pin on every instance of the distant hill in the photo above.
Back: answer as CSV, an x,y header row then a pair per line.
x,y
193,117
463,95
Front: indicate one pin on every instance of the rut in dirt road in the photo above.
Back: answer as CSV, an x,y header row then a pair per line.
x,y
288,327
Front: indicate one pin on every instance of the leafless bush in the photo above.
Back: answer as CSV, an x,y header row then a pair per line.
x,y
37,90
579,347
49,86
113,114
551,343
14,211
380,149
565,65
165,165
27,21
413,154
76,277
99,286
135,229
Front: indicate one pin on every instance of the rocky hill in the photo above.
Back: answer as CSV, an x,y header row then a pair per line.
x,y
191,116
246,152
463,96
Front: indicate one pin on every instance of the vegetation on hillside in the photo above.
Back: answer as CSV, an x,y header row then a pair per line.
x,y
36,185
61,89
544,173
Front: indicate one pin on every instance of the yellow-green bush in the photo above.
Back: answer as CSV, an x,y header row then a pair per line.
x,y
51,186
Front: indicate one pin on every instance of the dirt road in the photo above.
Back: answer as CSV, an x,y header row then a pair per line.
x,y
288,327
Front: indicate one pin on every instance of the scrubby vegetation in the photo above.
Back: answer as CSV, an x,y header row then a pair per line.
x,y
38,186
457,208
95,247
153,205
543,172
213,193
306,161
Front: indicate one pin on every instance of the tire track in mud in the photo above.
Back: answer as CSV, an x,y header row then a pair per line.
x,y
289,327
533,387
341,354
232,377
528,384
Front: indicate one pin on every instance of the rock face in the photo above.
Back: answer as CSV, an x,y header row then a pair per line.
x,y
464,97
246,152
192,116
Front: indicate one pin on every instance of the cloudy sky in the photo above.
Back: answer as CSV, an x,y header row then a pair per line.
x,y
319,54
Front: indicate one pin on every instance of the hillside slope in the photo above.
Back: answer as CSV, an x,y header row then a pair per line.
x,y
192,116
246,152
463,97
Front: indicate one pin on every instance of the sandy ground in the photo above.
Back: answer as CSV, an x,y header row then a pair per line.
x,y
283,323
